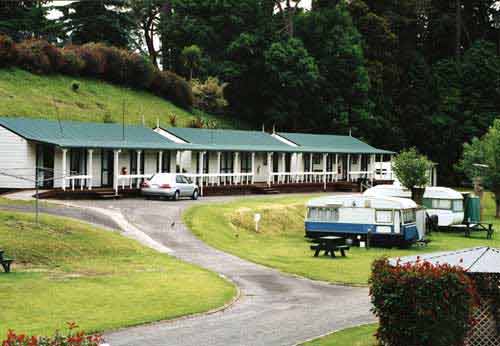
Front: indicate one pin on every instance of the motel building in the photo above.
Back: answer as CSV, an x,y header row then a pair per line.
x,y
68,157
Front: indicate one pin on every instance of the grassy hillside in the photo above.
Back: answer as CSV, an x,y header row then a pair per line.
x,y
26,94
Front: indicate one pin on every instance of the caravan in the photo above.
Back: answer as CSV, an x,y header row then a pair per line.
x,y
385,220
445,203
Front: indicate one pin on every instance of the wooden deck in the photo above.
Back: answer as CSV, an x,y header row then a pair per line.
x,y
104,193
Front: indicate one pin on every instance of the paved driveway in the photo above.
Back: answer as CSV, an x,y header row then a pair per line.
x,y
274,309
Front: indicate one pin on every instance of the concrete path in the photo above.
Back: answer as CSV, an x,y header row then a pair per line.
x,y
274,309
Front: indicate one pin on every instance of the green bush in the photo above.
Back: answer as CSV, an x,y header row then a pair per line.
x,y
422,304
172,87
140,70
8,52
209,95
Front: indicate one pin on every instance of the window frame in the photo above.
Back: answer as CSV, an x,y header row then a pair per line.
x,y
384,223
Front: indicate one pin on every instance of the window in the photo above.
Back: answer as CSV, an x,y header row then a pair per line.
x,y
323,214
206,158
246,162
226,163
165,162
441,204
133,163
316,159
458,205
383,216
409,216
179,180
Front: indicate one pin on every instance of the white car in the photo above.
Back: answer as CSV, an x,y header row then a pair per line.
x,y
173,186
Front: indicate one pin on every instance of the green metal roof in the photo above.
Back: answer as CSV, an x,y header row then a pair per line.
x,y
72,134
231,140
331,143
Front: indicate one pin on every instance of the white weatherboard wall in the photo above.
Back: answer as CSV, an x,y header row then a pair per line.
x,y
17,156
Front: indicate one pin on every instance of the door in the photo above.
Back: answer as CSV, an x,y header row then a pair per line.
x,y
78,164
107,168
45,166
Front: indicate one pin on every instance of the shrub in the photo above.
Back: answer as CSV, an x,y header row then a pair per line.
x,y
39,56
209,95
93,58
74,338
75,86
421,304
140,70
8,52
73,64
197,123
173,120
172,87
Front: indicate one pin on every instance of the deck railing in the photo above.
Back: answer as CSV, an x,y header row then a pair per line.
x,y
132,180
301,177
217,179
80,181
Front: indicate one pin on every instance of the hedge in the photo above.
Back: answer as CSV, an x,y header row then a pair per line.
x,y
422,304
96,60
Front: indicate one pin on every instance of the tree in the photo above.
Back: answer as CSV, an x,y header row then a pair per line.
x,y
191,57
26,19
106,21
411,169
481,159
292,77
147,17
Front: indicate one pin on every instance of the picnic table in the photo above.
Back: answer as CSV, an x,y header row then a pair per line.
x,y
469,227
5,262
329,245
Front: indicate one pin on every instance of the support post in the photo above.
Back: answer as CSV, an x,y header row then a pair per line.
x,y
253,167
336,167
311,156
372,167
138,182
390,165
160,161
90,168
180,161
64,154
236,166
218,167
116,170
324,171
202,153
269,168
283,167
348,167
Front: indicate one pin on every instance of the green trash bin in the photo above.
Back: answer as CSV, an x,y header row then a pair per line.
x,y
472,209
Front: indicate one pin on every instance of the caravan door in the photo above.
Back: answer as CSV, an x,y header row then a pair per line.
x,y
397,222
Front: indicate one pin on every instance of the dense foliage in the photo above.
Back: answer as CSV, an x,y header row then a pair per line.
x,y
411,168
399,74
481,159
96,60
422,304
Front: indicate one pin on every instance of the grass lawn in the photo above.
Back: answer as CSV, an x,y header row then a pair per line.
x,y
30,95
280,241
70,271
358,336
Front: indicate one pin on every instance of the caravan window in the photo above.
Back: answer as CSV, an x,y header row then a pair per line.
x,y
383,216
441,204
458,205
409,216
323,214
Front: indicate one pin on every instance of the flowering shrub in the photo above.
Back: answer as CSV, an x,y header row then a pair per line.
x,y
8,51
422,304
39,56
74,338
72,64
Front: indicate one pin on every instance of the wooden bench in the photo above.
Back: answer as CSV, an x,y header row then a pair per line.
x,y
5,262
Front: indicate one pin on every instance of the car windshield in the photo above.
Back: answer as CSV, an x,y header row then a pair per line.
x,y
160,179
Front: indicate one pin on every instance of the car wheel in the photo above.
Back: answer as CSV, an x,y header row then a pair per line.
x,y
195,195
176,196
